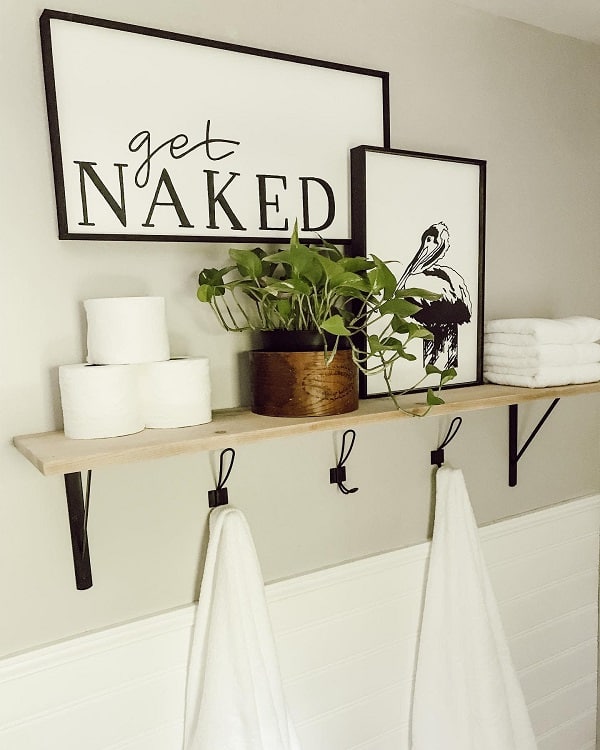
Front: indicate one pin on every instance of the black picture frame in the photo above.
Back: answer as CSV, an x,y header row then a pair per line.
x,y
247,139
403,203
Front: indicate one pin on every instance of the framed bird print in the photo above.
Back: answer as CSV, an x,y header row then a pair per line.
x,y
425,214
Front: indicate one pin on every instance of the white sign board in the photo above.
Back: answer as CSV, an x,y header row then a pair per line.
x,y
161,136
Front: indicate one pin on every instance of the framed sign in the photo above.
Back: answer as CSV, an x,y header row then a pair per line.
x,y
164,136
426,213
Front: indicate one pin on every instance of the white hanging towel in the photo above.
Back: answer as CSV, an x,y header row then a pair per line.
x,y
235,698
467,695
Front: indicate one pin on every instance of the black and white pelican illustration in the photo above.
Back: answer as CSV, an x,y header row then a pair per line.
x,y
442,316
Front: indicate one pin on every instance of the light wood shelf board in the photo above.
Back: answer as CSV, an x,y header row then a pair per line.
x,y
52,453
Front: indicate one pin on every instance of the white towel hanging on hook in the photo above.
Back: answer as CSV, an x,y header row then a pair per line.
x,y
235,698
467,695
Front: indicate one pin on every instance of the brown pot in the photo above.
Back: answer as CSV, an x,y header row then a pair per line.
x,y
300,384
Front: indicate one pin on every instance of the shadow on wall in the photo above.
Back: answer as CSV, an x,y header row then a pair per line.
x,y
243,381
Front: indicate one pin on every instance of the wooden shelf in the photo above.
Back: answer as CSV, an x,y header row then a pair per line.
x,y
53,453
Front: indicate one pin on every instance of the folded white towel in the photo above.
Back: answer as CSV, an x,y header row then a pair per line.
x,y
529,366
503,366
507,367
545,376
571,330
467,695
540,354
234,699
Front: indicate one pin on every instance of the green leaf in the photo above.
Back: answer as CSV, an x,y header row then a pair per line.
x,y
314,273
329,249
415,331
372,278
357,264
296,286
331,267
432,399
335,325
399,325
205,293
395,345
294,237
211,283
282,256
349,280
283,307
432,370
248,264
305,264
301,259
448,375
419,293
213,276
384,279
389,342
400,307
265,281
374,344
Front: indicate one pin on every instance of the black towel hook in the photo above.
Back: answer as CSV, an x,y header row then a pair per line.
x,y
337,475
218,496
437,456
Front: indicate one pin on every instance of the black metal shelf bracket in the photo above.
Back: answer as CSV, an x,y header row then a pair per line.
x,y
514,452
78,507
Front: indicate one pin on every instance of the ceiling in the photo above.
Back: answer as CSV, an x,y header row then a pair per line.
x,y
576,18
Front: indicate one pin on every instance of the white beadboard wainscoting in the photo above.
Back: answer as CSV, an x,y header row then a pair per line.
x,y
347,641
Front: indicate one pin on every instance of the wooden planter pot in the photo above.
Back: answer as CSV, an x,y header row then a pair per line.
x,y
287,383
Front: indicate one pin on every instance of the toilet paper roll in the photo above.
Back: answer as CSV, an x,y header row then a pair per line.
x,y
175,393
126,330
100,400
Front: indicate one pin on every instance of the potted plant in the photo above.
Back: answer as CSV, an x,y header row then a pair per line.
x,y
322,317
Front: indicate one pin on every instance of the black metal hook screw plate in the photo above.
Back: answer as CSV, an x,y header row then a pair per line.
x,y
437,456
219,496
337,475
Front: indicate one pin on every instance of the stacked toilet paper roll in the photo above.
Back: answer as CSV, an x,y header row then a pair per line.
x,y
100,401
126,330
130,382
175,393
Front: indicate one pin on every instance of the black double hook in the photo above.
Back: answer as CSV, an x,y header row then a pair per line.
x,y
337,475
218,496
437,456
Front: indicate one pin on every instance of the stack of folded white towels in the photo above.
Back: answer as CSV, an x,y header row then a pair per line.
x,y
540,352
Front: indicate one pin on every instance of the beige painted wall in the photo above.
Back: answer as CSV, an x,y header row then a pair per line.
x,y
462,83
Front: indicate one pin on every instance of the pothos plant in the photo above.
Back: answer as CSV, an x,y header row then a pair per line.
x,y
317,288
